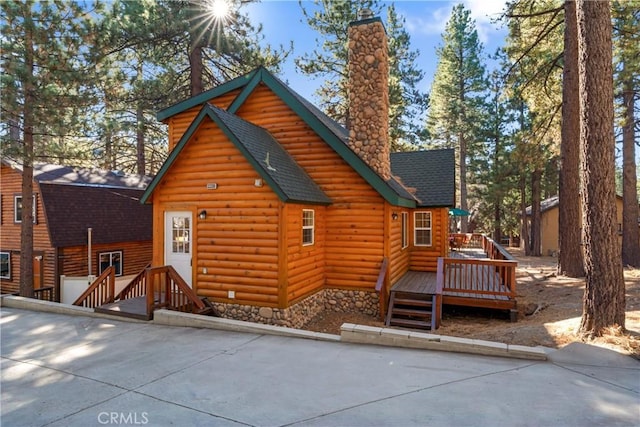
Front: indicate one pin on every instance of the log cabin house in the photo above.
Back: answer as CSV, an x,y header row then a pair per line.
x,y
67,202
273,211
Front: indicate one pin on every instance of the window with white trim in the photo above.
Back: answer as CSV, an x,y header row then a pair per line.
x,y
5,265
107,259
308,227
405,229
17,209
422,228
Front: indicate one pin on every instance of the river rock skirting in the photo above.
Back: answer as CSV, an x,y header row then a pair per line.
x,y
300,313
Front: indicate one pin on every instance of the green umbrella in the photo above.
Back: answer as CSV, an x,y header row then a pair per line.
x,y
458,212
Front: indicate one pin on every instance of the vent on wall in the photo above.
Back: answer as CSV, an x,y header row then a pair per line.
x,y
212,186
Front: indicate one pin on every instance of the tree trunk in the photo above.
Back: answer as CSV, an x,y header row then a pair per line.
x,y
630,211
524,224
140,127
570,258
464,222
26,229
196,67
536,232
604,297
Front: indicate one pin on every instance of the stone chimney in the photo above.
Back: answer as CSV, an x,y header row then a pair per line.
x,y
369,92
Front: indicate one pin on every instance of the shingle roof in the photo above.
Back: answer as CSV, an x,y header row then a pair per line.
x,y
60,174
274,164
114,214
334,134
431,173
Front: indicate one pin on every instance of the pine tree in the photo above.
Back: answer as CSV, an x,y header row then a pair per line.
x,y
44,82
534,46
329,61
604,297
570,257
457,93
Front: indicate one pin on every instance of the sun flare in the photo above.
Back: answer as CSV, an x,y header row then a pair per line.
x,y
220,9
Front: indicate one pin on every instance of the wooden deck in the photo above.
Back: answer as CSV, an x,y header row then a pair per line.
x,y
468,277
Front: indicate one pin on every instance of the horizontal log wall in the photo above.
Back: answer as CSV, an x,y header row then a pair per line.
x,y
237,243
135,256
425,258
11,186
179,123
305,264
399,258
354,222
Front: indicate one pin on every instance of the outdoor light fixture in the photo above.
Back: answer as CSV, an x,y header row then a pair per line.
x,y
202,214
394,216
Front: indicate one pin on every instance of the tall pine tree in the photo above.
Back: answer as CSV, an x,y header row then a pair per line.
x,y
457,94
44,84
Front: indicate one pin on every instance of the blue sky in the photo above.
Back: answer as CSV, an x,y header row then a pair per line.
x,y
283,21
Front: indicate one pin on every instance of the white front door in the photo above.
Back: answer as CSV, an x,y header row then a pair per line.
x,y
177,242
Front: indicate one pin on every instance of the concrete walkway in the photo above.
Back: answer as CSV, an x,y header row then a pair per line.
x,y
62,370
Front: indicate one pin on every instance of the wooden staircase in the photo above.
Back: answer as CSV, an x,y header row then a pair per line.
x,y
411,310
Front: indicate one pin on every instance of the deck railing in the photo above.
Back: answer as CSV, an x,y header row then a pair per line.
x,y
479,278
382,289
45,293
100,292
137,287
166,289
494,250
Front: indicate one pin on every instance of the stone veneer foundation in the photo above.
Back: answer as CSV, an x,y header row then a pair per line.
x,y
299,314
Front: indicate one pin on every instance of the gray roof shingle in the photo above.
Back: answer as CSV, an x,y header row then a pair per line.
x,y
431,173
271,160
114,214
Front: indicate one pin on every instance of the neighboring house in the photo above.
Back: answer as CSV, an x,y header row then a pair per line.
x,y
68,202
549,223
273,211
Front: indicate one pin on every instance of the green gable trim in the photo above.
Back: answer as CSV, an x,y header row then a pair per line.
x,y
325,133
204,97
174,154
214,114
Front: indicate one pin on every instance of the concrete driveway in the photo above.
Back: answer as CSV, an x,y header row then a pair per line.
x,y
62,370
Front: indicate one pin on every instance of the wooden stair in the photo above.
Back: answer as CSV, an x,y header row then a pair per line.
x,y
409,310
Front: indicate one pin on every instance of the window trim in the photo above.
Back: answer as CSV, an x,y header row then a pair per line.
x,y
416,229
34,209
404,230
110,253
8,254
311,227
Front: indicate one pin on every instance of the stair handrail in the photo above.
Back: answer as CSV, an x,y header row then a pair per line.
x,y
382,287
100,292
136,287
169,289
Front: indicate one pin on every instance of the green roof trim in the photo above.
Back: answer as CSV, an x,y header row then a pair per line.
x,y
293,102
327,131
204,97
290,182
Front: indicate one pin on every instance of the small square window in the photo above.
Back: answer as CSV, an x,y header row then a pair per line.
x,y
5,265
107,259
308,227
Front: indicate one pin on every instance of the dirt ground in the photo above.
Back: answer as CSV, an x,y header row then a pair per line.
x,y
549,312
